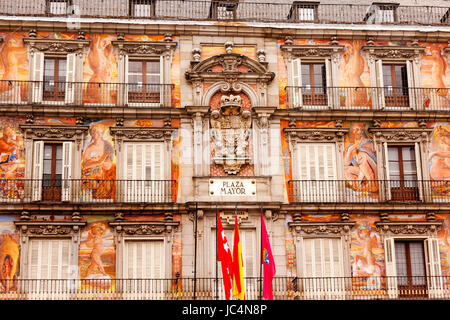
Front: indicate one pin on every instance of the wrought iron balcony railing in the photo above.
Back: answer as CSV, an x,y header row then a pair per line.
x,y
264,11
368,98
87,191
284,288
368,191
85,93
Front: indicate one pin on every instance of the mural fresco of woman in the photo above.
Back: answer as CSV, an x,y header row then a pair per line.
x,y
13,66
352,69
9,263
438,67
439,160
360,161
98,164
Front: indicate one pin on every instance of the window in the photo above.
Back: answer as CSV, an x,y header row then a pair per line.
x,y
58,7
223,10
381,13
402,172
322,266
48,259
309,81
144,79
304,11
315,83
412,267
54,78
144,263
142,8
395,80
144,173
316,173
52,171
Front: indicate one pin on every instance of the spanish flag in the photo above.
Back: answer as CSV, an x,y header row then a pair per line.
x,y
238,274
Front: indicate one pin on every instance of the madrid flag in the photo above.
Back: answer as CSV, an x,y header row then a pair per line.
x,y
238,274
267,261
224,256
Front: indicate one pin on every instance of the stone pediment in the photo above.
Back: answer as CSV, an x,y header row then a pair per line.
x,y
229,62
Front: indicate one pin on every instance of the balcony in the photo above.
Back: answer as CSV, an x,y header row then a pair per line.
x,y
85,94
284,288
297,12
87,191
368,98
369,191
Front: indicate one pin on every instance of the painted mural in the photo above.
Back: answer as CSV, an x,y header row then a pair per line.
x,y
9,254
289,244
360,162
444,247
12,161
366,252
439,159
97,253
98,162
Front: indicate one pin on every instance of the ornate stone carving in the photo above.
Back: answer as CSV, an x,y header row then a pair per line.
x,y
320,229
144,48
45,228
428,228
230,131
39,132
321,51
399,134
296,134
137,228
140,133
57,46
394,52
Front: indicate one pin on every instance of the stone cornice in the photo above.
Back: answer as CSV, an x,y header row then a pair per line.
x,y
298,134
45,228
144,48
412,228
49,132
400,134
321,228
143,228
121,134
311,51
394,52
57,46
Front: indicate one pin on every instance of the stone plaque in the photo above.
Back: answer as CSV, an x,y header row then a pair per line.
x,y
232,187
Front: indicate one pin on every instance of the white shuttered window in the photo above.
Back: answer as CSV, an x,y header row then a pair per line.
x,y
144,170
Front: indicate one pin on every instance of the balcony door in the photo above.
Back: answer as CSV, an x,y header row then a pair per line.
x,y
317,174
403,173
144,82
314,84
410,265
144,173
143,268
52,171
395,81
55,72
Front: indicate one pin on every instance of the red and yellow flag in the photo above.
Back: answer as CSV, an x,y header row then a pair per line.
x,y
238,273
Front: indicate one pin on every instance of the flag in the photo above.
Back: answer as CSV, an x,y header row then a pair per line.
x,y
238,274
267,261
224,256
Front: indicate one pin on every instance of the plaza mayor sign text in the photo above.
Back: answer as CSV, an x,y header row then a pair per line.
x,y
232,187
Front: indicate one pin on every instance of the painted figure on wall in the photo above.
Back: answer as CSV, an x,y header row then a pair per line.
x,y
367,254
100,71
360,163
444,245
439,159
9,255
353,66
12,163
97,254
98,163
433,69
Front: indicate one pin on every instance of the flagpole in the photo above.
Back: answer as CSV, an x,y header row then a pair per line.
x,y
261,257
217,255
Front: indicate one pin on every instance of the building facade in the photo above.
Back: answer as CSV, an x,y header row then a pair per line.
x,y
127,125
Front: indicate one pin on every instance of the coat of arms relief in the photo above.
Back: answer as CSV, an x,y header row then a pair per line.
x,y
230,132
